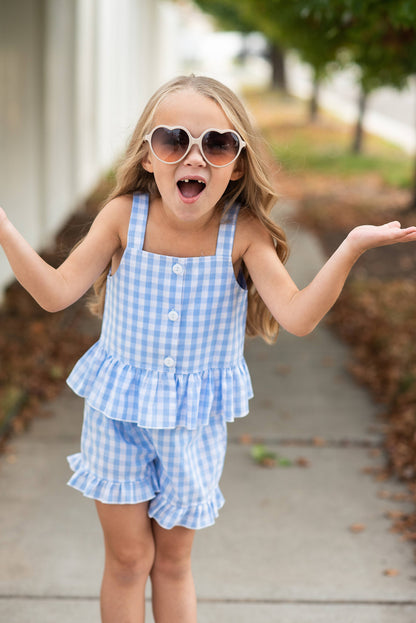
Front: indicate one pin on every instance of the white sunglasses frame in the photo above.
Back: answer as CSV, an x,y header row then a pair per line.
x,y
195,141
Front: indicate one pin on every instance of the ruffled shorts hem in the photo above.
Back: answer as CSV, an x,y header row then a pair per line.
x,y
194,517
106,491
167,515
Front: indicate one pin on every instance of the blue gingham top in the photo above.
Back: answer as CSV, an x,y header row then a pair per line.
x,y
171,347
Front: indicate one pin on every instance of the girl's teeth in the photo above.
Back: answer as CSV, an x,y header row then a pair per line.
x,y
189,187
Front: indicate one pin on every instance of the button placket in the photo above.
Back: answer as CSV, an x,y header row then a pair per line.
x,y
174,315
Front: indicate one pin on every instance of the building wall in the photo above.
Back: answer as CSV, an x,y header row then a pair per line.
x,y
74,76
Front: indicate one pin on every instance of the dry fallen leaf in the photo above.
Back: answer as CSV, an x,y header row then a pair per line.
x,y
283,369
245,439
391,572
394,514
401,497
268,462
384,495
374,452
357,527
267,403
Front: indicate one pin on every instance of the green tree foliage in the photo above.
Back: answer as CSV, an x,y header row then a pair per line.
x,y
317,37
286,25
294,25
381,40
230,14
379,36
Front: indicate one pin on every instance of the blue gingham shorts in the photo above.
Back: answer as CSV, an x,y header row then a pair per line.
x,y
176,470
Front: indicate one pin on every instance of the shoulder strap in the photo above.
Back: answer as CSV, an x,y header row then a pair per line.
x,y
138,220
226,232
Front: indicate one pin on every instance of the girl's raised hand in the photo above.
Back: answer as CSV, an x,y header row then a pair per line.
x,y
367,237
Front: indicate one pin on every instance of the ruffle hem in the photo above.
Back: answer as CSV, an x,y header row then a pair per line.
x,y
166,514
194,517
159,399
106,491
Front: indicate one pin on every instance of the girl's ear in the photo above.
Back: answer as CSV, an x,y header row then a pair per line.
x,y
147,164
238,171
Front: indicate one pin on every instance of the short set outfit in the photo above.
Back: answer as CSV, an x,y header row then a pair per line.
x,y
166,375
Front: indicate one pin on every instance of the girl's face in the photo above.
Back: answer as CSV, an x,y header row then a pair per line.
x,y
194,200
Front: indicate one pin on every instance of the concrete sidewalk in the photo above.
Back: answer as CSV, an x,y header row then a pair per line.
x,y
282,550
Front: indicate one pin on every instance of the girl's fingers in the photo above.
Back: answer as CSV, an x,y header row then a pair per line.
x,y
370,236
395,225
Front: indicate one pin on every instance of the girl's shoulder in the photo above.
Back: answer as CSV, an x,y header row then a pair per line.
x,y
121,204
117,209
116,214
249,230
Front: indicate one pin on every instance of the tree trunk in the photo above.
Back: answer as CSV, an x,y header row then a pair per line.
x,y
313,102
277,60
357,143
412,205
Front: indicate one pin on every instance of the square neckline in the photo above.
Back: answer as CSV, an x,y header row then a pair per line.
x,y
144,219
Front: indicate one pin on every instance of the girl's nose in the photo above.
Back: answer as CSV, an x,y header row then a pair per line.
x,y
195,157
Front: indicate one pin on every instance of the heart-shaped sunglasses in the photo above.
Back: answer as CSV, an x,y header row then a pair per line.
x,y
218,147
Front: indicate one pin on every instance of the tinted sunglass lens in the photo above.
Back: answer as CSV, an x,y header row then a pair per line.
x,y
169,145
220,148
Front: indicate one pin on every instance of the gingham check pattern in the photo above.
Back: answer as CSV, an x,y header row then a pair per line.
x,y
177,470
171,348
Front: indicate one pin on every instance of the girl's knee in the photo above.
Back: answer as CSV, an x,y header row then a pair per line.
x,y
172,567
173,550
130,562
129,541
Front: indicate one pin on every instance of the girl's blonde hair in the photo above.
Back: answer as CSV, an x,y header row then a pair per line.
x,y
253,191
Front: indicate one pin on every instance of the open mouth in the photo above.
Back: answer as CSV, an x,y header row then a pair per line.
x,y
191,188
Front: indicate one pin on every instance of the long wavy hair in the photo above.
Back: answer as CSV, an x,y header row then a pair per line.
x,y
253,191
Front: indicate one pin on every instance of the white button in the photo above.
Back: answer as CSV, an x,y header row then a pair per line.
x,y
177,269
169,362
173,315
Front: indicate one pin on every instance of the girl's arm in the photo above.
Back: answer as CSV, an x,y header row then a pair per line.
x,y
299,311
55,289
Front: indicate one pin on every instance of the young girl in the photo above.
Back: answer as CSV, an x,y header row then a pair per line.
x,y
189,263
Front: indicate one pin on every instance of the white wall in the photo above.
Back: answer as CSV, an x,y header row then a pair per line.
x,y
74,76
21,132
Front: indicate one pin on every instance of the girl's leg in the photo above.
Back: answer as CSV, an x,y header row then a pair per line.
x,y
129,557
173,591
